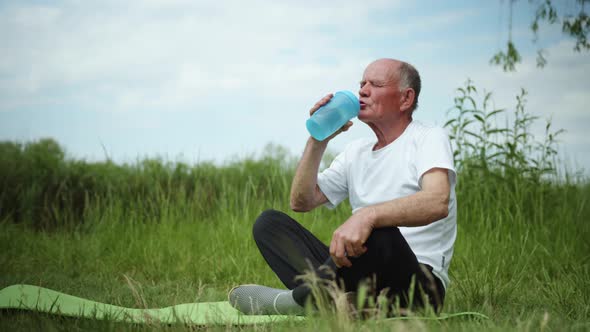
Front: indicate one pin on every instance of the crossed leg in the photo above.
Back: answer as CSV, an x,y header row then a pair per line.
x,y
291,250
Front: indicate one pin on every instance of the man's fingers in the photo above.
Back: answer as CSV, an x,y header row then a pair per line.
x,y
355,250
320,103
346,126
337,251
361,250
350,250
340,250
333,247
346,262
336,261
342,129
341,261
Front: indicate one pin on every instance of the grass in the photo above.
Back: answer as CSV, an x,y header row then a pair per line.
x,y
522,257
155,234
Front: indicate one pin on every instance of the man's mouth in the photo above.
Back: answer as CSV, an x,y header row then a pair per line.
x,y
363,104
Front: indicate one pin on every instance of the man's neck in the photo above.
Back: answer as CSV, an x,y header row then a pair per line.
x,y
389,132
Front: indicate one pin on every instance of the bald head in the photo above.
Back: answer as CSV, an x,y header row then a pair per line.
x,y
404,73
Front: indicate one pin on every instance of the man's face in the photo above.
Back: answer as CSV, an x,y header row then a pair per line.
x,y
379,93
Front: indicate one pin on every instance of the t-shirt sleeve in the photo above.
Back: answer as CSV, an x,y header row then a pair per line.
x,y
333,181
435,151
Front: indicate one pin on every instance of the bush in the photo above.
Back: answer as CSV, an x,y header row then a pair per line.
x,y
41,187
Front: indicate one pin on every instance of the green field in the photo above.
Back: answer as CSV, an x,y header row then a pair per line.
x,y
157,233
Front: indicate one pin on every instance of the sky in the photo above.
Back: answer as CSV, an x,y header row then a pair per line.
x,y
197,81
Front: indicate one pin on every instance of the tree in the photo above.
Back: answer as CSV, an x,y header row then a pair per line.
x,y
575,26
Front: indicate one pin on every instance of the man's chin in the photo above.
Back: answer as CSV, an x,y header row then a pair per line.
x,y
363,117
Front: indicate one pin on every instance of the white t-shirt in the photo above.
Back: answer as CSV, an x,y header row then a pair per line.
x,y
370,177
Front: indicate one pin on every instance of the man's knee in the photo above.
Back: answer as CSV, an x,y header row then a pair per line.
x,y
388,246
266,221
382,236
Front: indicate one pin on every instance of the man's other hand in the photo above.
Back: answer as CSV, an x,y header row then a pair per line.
x,y
348,240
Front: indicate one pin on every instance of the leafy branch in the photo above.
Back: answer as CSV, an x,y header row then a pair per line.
x,y
576,26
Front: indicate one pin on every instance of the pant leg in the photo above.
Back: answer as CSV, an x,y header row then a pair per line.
x,y
432,286
390,264
289,249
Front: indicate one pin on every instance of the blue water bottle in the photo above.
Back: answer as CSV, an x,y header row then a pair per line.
x,y
343,106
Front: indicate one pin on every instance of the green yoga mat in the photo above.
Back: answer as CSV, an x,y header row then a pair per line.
x,y
35,298
41,299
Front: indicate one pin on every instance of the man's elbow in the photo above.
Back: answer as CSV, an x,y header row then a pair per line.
x,y
299,205
442,207
444,212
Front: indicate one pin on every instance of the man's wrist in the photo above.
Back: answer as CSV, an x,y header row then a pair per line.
x,y
370,218
318,143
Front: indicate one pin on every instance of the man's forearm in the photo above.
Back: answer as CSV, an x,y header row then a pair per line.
x,y
419,209
303,188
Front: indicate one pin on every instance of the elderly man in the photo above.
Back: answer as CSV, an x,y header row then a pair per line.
x,y
401,189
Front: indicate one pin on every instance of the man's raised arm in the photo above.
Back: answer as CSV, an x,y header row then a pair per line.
x,y
305,192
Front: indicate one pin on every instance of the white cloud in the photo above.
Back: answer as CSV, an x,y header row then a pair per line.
x,y
192,49
176,55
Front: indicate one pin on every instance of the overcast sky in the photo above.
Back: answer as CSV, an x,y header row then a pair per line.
x,y
215,80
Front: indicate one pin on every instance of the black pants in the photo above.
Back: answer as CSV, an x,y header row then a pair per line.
x,y
291,250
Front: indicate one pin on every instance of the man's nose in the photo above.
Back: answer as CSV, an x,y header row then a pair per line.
x,y
364,91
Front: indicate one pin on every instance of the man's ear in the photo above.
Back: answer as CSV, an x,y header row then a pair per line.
x,y
407,99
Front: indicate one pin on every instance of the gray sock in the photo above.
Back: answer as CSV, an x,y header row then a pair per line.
x,y
262,300
285,303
